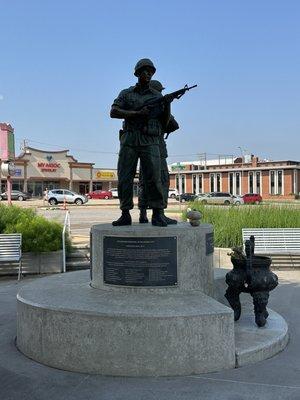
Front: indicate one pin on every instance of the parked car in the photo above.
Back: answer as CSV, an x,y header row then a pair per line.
x,y
252,198
16,195
114,192
100,194
237,200
173,193
215,198
56,196
185,197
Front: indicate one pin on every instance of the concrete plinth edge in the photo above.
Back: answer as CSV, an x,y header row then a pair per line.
x,y
64,323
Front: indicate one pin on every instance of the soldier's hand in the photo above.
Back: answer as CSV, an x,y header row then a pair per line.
x,y
144,111
168,98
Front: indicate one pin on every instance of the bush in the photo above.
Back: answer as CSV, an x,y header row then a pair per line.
x,y
38,233
229,221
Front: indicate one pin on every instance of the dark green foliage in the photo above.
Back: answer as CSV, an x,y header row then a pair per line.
x,y
229,221
38,233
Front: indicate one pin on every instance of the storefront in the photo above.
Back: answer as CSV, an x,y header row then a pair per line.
x,y
38,170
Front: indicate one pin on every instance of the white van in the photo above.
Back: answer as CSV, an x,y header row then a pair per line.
x,y
173,193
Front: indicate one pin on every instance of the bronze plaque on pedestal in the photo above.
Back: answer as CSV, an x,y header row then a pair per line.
x,y
137,261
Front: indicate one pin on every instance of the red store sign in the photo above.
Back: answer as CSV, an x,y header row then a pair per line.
x,y
48,167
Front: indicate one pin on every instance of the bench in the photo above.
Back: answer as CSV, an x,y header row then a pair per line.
x,y
11,252
281,244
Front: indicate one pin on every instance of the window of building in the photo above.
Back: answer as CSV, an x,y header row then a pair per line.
x,y
97,186
177,182
84,187
237,184
276,182
272,182
212,182
218,182
182,184
251,187
279,182
258,185
231,182
200,184
17,185
194,184
215,182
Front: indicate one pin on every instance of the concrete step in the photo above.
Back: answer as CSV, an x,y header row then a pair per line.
x,y
80,253
77,265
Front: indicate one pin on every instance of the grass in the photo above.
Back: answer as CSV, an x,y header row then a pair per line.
x,y
229,221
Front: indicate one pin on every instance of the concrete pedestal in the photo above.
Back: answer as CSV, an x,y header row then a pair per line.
x,y
194,260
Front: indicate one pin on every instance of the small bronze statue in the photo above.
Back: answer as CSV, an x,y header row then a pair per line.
x,y
251,274
145,112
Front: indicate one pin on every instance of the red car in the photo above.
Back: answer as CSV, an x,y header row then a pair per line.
x,y
252,198
100,194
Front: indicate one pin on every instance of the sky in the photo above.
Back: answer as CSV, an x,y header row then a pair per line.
x,y
63,62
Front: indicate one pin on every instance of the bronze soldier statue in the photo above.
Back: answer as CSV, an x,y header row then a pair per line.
x,y
172,126
143,127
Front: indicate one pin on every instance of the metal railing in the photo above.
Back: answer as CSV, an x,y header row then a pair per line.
x,y
67,226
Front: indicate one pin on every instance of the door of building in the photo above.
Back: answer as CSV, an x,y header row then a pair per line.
x,y
84,187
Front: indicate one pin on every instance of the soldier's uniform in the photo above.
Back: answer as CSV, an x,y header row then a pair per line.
x,y
140,140
165,177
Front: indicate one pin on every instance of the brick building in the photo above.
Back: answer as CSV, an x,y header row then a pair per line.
x,y
271,179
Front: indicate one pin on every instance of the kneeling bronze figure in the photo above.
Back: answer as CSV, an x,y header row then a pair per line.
x,y
251,274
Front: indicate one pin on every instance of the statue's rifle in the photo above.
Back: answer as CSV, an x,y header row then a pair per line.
x,y
155,104
168,98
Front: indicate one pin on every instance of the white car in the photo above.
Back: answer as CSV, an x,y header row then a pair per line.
x,y
114,192
173,193
237,200
56,196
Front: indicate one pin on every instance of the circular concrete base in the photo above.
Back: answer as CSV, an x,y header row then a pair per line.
x,y
64,323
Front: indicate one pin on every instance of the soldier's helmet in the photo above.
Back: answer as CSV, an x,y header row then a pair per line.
x,y
156,85
144,62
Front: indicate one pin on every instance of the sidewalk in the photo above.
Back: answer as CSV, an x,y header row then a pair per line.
x,y
275,379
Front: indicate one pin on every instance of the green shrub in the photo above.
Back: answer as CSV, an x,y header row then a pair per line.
x,y
10,215
38,233
229,221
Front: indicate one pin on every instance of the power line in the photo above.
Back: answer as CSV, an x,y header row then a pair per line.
x,y
116,153
69,148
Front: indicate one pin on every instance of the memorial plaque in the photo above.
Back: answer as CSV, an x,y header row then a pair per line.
x,y
209,240
136,261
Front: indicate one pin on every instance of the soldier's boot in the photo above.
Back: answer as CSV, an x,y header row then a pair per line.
x,y
125,219
158,217
143,216
170,221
